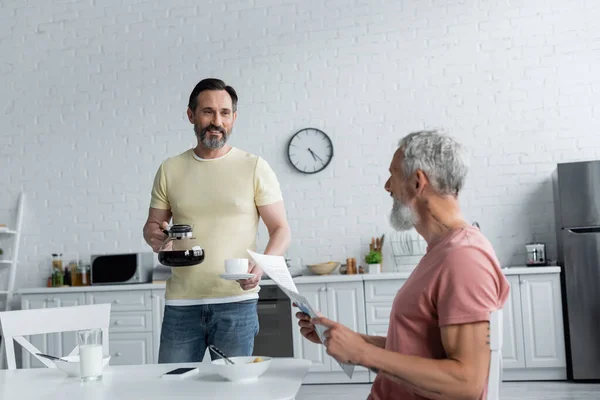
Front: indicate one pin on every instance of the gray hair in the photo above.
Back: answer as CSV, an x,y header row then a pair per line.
x,y
439,156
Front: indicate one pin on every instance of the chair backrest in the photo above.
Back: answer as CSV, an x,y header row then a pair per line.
x,y
16,324
496,342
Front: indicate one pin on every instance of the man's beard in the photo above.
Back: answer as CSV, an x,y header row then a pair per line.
x,y
212,142
403,217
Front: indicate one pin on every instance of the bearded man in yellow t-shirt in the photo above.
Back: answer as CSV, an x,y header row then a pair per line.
x,y
222,192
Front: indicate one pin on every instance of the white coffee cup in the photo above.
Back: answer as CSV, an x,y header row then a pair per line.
x,y
236,266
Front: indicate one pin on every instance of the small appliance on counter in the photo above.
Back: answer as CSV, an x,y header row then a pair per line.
x,y
127,268
536,254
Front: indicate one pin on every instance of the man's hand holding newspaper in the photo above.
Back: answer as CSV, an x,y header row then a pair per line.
x,y
343,344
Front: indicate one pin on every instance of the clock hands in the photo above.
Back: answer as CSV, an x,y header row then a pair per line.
x,y
315,156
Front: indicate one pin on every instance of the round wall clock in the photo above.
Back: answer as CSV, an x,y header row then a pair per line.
x,y
310,150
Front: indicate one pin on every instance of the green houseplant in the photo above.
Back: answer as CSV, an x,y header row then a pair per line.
x,y
373,259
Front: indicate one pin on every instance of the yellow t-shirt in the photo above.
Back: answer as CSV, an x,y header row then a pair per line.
x,y
218,198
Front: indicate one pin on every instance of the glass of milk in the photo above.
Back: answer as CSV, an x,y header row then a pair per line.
x,y
90,354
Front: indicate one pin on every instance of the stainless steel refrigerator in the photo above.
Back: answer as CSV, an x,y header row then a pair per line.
x,y
577,216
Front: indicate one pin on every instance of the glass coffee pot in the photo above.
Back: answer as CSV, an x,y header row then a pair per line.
x,y
180,248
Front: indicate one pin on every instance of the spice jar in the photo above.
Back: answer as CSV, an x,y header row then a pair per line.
x,y
351,266
57,262
84,276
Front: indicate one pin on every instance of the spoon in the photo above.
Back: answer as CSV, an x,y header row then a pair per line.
x,y
220,353
51,357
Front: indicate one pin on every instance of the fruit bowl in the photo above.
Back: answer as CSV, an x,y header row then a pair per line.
x,y
323,268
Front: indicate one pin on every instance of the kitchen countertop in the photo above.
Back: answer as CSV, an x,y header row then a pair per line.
x,y
516,270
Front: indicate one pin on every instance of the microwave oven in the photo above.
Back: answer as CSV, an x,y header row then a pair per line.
x,y
127,268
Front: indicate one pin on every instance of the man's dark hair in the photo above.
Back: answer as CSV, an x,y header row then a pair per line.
x,y
212,84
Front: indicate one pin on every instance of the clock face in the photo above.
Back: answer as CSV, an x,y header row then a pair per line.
x,y
310,150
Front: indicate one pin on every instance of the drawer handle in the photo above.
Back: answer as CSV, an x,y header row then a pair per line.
x,y
118,354
117,322
117,301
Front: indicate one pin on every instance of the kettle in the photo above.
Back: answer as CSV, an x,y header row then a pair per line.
x,y
536,254
180,248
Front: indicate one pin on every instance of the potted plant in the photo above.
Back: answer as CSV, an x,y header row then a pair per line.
x,y
373,260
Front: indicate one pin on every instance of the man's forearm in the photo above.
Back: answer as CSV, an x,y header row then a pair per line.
x,y
434,379
148,229
279,241
378,341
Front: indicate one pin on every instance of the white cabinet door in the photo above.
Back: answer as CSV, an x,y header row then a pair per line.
x,y
133,300
131,348
158,311
67,341
513,351
316,295
346,305
58,344
542,321
383,290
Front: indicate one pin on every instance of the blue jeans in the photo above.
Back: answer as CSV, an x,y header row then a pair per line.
x,y
188,330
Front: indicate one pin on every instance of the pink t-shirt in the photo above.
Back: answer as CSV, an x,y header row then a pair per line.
x,y
458,281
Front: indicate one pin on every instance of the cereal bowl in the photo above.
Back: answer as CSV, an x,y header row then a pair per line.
x,y
245,369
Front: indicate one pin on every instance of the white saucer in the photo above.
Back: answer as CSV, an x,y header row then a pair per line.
x,y
235,277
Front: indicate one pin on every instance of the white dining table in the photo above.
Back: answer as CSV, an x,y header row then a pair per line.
x,y
143,382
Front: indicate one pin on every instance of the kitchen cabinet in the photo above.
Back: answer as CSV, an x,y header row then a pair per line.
x,y
131,348
379,297
340,301
158,311
534,345
513,345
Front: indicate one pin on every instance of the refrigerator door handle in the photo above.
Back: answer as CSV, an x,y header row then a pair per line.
x,y
583,230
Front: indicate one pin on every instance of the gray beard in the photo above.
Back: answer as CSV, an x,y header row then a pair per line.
x,y
213,143
402,217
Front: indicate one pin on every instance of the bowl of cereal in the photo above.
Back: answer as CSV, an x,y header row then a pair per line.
x,y
243,369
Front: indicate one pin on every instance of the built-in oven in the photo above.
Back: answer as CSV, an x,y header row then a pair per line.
x,y
274,338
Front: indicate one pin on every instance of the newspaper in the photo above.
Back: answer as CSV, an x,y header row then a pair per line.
x,y
276,268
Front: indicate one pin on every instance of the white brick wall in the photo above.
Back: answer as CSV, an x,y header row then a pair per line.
x,y
92,98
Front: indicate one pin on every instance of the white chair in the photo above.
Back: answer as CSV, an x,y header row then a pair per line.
x,y
495,373
16,324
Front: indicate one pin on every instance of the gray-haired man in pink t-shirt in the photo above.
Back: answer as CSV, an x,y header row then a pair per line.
x,y
437,346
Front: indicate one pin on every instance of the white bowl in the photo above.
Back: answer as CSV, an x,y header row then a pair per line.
x,y
244,369
72,367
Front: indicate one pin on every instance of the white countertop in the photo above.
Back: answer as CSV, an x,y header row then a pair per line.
x,y
516,270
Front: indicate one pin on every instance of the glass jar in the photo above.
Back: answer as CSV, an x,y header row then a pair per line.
x,y
180,248
57,262
83,277
88,274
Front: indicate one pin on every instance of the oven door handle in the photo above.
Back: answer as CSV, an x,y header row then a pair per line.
x,y
267,306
